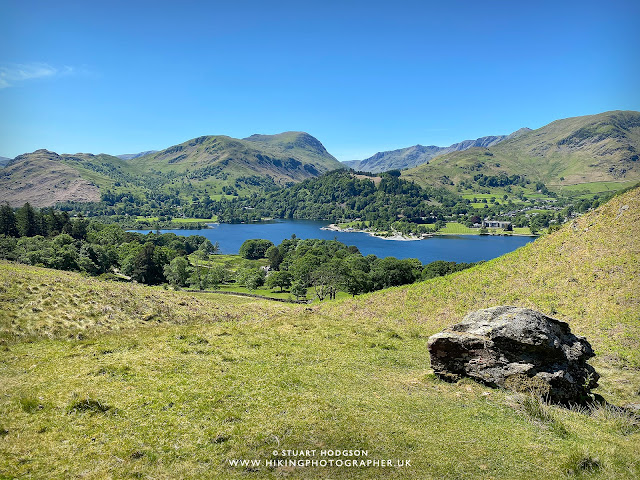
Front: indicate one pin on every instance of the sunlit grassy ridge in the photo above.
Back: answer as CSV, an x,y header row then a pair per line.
x,y
592,148
587,274
182,394
39,302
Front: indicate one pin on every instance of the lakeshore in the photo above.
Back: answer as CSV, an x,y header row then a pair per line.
x,y
400,237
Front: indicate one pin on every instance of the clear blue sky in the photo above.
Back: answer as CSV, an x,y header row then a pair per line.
x,y
361,76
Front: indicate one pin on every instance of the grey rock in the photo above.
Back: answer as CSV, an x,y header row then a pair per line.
x,y
518,349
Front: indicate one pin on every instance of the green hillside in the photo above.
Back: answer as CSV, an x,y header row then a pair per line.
x,y
119,380
290,156
212,165
579,150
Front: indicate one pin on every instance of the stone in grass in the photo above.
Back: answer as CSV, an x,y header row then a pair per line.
x,y
518,349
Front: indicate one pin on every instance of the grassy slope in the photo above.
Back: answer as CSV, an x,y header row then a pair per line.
x,y
591,148
587,273
263,155
183,396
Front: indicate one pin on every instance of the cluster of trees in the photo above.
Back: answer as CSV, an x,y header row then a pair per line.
x,y
28,222
51,239
340,195
500,180
327,266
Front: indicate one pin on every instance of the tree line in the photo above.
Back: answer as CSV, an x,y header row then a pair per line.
x,y
328,266
54,239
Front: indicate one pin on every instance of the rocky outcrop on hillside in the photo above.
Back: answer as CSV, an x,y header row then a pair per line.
x,y
518,349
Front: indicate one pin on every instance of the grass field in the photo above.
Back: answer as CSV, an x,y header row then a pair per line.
x,y
110,380
355,224
454,228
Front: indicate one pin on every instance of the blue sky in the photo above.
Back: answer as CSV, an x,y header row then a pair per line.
x,y
122,77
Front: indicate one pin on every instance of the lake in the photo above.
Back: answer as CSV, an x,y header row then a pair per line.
x,y
457,248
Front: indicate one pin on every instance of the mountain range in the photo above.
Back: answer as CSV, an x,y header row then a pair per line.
x,y
592,148
416,155
214,165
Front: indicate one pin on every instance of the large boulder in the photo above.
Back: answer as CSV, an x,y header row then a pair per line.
x,y
518,349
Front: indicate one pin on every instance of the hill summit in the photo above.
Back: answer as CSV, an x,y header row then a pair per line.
x,y
592,148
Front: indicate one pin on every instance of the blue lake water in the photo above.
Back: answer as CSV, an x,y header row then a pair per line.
x,y
457,248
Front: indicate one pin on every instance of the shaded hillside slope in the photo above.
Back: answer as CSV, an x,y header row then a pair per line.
x,y
593,148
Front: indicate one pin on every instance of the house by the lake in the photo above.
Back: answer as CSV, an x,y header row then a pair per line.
x,y
495,224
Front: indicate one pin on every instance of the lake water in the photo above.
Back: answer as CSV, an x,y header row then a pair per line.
x,y
457,248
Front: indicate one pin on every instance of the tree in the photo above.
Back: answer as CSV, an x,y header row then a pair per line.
x,y
275,257
65,255
217,275
279,279
299,290
177,271
254,249
356,282
207,248
26,221
8,224
145,267
391,272
198,278
79,228
252,278
325,280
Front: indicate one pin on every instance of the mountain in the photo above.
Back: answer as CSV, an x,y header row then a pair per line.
x,y
130,156
286,157
223,165
203,165
4,161
418,154
44,178
592,148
